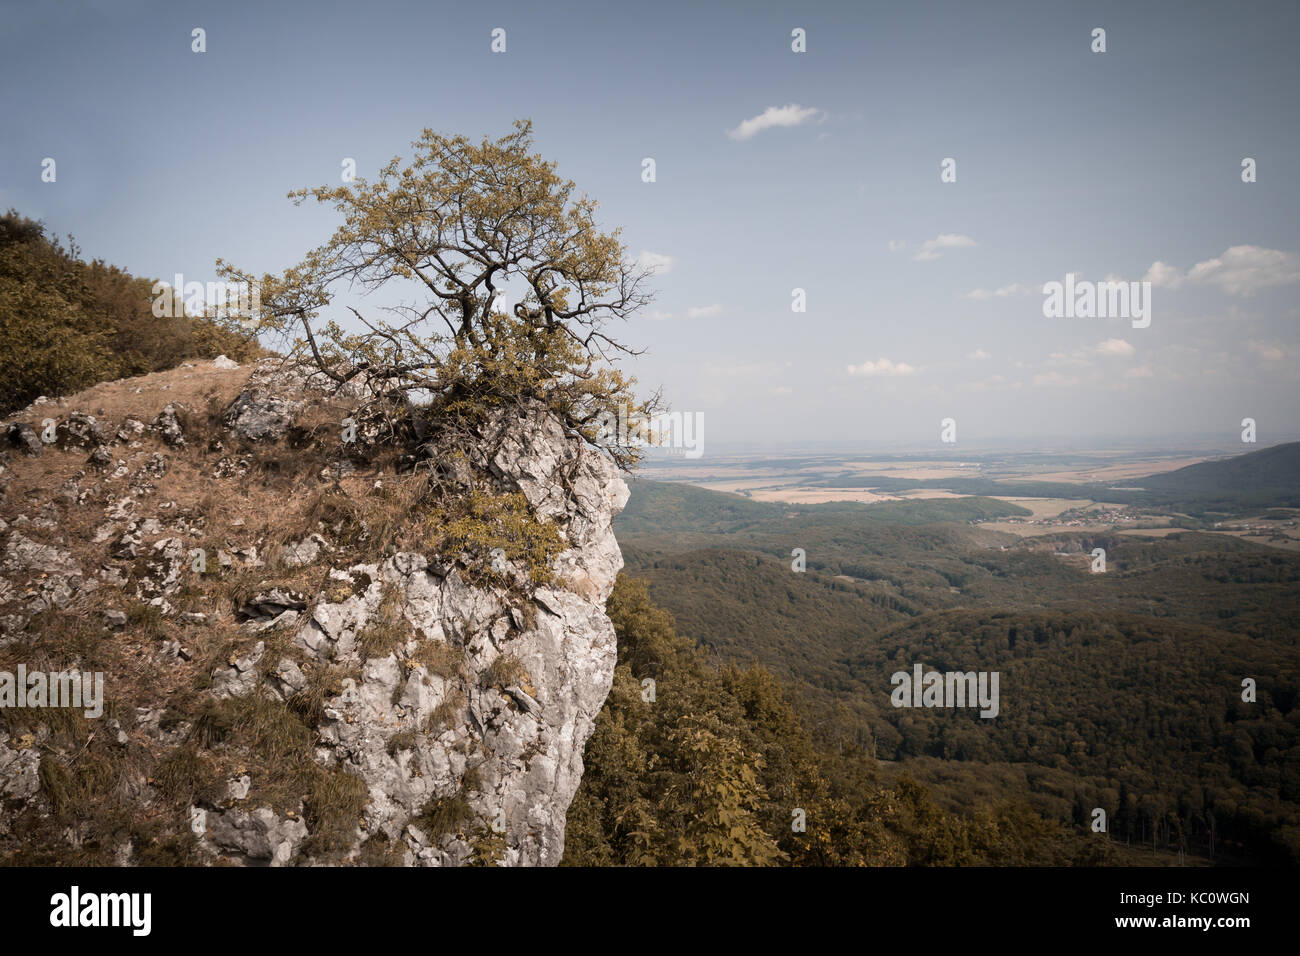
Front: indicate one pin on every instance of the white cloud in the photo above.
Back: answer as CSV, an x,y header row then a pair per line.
x,y
995,383
656,262
1162,275
882,367
1007,290
1241,270
658,316
1139,371
896,244
1115,347
932,248
773,116
1079,357
979,355
703,311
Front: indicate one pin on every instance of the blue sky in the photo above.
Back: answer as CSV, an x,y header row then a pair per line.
x,y
1101,164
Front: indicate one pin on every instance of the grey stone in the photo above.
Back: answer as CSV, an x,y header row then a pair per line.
x,y
260,836
25,439
130,429
167,424
303,552
79,431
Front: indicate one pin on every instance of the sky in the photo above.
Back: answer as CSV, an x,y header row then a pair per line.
x,y
775,170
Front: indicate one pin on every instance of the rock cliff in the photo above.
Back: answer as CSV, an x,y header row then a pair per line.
x,y
287,668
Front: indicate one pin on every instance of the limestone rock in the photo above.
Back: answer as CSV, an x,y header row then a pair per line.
x,y
25,439
167,424
260,837
79,430
423,679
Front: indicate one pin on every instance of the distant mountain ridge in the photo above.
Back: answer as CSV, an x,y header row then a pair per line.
x,y
1269,471
1268,478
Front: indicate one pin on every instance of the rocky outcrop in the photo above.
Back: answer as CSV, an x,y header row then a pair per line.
x,y
488,701
276,393
465,724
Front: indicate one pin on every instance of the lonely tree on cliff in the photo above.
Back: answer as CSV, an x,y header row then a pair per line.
x,y
512,287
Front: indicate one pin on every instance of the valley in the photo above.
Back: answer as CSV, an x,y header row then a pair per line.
x,y
1120,690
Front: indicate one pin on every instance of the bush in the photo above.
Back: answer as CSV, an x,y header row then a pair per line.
x,y
477,524
66,324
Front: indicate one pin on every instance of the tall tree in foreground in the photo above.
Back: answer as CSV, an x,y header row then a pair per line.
x,y
514,287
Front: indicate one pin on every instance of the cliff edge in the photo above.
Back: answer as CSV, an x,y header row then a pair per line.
x,y
324,636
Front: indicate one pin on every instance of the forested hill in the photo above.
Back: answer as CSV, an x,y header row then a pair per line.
x,y
673,507
67,323
1121,690
1270,475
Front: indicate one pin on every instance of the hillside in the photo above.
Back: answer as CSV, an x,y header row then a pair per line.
x,y
313,654
66,323
1269,477
307,648
1121,690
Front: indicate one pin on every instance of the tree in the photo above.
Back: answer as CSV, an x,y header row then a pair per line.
x,y
468,227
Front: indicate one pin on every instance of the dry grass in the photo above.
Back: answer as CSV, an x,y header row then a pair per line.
x,y
388,631
378,850
504,671
90,781
144,396
447,714
322,684
439,657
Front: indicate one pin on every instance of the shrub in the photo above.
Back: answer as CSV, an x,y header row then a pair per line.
x,y
476,524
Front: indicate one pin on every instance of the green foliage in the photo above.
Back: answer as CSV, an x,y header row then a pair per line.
x,y
720,795
713,771
1119,690
477,523
66,324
